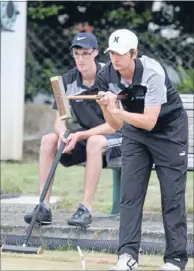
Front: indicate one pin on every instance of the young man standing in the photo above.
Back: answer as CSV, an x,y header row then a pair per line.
x,y
155,131
94,142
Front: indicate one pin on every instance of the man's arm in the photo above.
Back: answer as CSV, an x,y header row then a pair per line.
x,y
155,97
103,129
114,122
145,121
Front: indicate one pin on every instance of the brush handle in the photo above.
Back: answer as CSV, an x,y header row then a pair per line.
x,y
46,187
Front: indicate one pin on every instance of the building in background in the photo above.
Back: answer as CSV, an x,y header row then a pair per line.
x,y
13,52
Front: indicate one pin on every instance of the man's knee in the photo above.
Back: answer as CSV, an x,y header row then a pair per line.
x,y
96,144
49,143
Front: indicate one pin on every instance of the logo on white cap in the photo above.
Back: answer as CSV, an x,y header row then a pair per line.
x,y
116,39
122,41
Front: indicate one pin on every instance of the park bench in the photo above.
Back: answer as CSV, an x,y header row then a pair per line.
x,y
115,164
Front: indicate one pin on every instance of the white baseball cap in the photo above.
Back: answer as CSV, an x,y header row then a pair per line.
x,y
122,41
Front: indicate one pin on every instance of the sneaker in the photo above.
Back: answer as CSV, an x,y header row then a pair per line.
x,y
44,216
81,217
169,267
125,263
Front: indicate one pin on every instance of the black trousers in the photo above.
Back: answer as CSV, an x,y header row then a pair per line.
x,y
168,151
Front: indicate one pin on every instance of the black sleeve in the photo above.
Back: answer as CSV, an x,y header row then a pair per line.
x,y
101,81
55,104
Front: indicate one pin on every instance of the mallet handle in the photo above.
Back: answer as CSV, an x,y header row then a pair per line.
x,y
82,97
92,97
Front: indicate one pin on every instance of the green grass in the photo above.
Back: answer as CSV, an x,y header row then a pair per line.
x,y
70,260
23,178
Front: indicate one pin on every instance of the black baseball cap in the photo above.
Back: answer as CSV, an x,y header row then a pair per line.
x,y
85,40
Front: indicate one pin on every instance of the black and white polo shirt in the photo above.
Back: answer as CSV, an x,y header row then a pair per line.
x,y
150,86
87,112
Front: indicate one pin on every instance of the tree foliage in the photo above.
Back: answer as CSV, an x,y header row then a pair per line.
x,y
68,17
176,13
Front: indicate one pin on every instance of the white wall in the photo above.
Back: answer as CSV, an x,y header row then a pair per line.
x,y
13,50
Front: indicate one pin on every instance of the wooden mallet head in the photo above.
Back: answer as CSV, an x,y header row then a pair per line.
x,y
60,97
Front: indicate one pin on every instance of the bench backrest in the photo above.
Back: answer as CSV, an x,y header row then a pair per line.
x,y
188,103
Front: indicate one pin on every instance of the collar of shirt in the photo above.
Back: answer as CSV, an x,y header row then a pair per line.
x,y
137,77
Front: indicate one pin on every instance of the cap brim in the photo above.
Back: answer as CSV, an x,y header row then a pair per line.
x,y
82,45
116,50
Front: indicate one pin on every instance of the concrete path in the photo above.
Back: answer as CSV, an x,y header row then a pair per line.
x,y
104,226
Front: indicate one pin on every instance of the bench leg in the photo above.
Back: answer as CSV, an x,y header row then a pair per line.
x,y
116,191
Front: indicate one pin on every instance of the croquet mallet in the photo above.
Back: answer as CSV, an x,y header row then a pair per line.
x,y
65,115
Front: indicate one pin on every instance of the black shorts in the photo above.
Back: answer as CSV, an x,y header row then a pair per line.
x,y
78,154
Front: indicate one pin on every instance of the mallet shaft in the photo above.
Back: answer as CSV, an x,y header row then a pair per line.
x,y
92,97
83,97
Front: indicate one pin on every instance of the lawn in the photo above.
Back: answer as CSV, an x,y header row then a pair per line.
x,y
70,260
22,178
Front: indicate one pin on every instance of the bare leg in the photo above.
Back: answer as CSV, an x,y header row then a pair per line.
x,y
48,150
96,145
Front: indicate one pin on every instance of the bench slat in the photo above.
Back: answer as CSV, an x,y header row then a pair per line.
x,y
187,97
191,150
188,101
190,161
188,106
190,114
